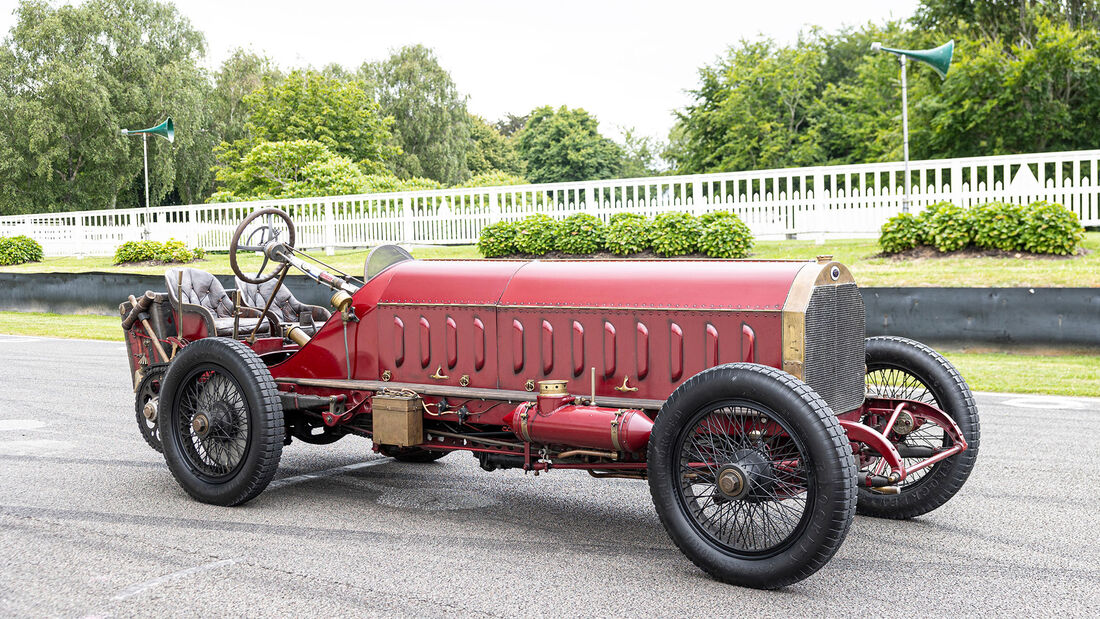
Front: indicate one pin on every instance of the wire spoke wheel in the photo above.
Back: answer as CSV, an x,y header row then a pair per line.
x,y
213,419
901,369
751,475
744,479
899,384
222,423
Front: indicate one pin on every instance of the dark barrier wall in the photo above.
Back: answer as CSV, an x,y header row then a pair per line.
x,y
1043,317
1040,317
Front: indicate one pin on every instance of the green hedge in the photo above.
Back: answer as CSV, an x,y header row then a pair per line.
x,y
154,251
581,234
629,233
18,250
497,240
725,235
1039,228
720,234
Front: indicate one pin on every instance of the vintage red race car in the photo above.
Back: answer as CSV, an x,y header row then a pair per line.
x,y
745,391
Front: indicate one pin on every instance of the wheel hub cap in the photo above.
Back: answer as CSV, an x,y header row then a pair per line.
x,y
733,483
201,425
150,410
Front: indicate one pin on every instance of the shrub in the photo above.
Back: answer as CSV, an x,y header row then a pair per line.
x,y
951,228
153,251
498,239
629,233
536,234
676,234
924,219
18,250
725,236
1050,228
581,234
997,225
901,232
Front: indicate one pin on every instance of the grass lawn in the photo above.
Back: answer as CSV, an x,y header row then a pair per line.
x,y
1013,373
858,254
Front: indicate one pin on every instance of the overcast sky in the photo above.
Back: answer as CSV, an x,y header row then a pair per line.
x,y
627,62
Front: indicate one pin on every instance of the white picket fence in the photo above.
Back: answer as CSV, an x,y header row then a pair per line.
x,y
817,202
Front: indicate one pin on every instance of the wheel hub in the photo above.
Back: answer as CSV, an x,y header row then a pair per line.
x,y
150,410
743,479
733,483
905,424
201,425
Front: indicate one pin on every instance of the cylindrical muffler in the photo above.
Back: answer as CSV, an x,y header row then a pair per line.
x,y
555,420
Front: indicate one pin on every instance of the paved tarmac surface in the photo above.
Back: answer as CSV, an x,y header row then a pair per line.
x,y
92,524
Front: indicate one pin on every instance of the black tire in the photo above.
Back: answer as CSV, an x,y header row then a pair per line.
x,y
149,389
928,377
796,424
221,385
411,454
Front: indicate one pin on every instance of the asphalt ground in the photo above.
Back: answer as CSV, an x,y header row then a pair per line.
x,y
92,524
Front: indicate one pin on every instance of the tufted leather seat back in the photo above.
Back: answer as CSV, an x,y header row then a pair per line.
x,y
200,288
285,306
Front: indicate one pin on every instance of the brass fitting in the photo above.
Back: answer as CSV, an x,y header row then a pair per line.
x,y
341,300
295,334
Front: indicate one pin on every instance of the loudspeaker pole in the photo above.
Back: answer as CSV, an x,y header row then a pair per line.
x,y
165,130
145,154
904,134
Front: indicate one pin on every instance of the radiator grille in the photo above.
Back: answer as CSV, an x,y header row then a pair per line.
x,y
835,357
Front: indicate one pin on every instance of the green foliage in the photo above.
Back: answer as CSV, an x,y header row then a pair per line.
x,y
498,239
581,234
171,251
18,250
997,225
676,234
725,235
566,145
901,232
641,155
536,235
951,228
71,77
629,233
241,74
384,183
491,151
307,105
494,178
430,118
924,219
1050,229
297,168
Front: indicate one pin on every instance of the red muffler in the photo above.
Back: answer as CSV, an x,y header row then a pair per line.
x,y
555,420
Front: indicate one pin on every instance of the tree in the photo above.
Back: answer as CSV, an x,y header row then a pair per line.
x,y
307,105
751,110
566,145
510,125
641,155
71,77
287,169
491,151
239,76
430,120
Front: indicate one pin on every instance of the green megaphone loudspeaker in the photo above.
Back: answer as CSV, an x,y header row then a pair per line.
x,y
939,58
165,130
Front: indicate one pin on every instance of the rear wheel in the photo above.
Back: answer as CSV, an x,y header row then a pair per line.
x,y
900,368
221,422
752,475
146,405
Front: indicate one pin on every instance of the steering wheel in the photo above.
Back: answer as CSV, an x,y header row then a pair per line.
x,y
257,240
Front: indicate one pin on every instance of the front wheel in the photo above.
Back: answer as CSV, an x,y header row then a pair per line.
x,y
902,369
221,422
752,475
